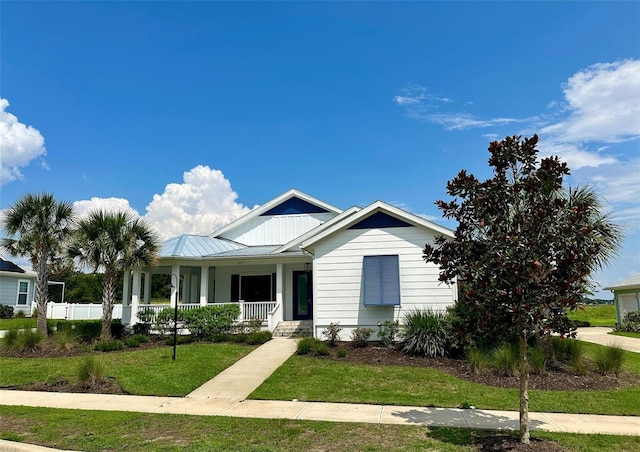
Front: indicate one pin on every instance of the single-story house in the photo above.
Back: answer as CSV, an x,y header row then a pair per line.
x,y
626,296
17,287
298,260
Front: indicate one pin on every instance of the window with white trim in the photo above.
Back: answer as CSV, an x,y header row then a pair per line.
x,y
381,280
23,292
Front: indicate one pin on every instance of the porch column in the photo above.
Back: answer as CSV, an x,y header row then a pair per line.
x,y
204,284
175,284
279,282
147,287
126,297
135,295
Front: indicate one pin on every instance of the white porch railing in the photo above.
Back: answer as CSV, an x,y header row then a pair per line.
x,y
248,310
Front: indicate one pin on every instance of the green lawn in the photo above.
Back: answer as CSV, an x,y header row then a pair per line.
x,y
8,324
317,379
625,334
107,430
599,315
140,372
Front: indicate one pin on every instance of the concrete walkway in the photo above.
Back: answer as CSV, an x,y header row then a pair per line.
x,y
600,335
225,395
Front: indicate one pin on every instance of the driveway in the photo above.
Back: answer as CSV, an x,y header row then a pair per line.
x,y
599,335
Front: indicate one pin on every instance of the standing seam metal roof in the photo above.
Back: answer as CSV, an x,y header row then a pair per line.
x,y
188,245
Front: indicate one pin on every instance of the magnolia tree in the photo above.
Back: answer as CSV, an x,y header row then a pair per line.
x,y
524,248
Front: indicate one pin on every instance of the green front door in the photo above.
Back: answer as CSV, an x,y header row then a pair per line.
x,y
302,296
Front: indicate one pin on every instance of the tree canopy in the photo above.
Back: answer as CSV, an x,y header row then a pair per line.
x,y
524,249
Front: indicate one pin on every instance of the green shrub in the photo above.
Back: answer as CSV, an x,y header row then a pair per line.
x,y
90,370
537,360
117,329
107,346
220,337
10,338
630,323
249,326
29,339
6,312
239,338
180,340
145,320
135,340
259,337
163,321
609,360
64,339
332,333
477,359
20,315
342,353
88,330
312,346
425,333
504,359
207,321
360,337
387,332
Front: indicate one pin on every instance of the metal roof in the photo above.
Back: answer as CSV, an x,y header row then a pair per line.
x,y
188,245
8,266
250,251
629,283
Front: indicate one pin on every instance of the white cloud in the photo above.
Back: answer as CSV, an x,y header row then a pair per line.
x,y
203,203
84,207
604,104
19,145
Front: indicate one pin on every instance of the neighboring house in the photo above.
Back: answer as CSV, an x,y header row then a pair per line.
x,y
626,296
17,287
297,258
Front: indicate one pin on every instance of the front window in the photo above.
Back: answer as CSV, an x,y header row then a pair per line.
x,y
381,280
23,292
255,288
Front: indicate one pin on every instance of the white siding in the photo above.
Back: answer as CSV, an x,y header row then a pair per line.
x,y
276,230
338,277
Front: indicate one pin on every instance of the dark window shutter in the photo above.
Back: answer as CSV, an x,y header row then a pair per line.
x,y
235,287
381,280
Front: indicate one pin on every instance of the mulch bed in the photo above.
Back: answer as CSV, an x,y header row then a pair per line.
x,y
557,378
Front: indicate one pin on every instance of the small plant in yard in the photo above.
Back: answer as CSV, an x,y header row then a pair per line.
x,y
387,332
360,337
91,371
10,338
537,360
6,312
312,346
342,353
425,333
630,323
259,337
477,359
107,346
180,340
29,339
65,339
505,359
609,360
332,333
136,340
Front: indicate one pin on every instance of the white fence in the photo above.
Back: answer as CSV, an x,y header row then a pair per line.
x,y
79,311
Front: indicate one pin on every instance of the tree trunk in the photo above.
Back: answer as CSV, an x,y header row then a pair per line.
x,y
524,391
108,295
41,295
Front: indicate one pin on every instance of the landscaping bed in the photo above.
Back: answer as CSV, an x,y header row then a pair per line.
x,y
556,378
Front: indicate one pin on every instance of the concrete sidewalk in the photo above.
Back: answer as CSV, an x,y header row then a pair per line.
x,y
225,395
600,335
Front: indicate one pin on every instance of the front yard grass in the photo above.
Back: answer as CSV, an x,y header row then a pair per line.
x,y
139,372
24,322
108,430
316,379
626,334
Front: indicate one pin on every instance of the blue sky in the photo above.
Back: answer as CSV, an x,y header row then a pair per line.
x,y
191,113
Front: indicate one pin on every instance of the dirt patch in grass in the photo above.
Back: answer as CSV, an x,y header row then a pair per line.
x,y
503,443
107,385
556,378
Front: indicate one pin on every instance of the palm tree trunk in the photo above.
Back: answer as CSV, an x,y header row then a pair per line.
x,y
41,295
524,391
108,295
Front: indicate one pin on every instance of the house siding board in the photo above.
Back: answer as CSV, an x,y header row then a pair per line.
x,y
276,230
8,290
338,277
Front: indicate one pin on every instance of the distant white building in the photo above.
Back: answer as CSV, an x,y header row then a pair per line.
x,y
297,258
17,287
626,296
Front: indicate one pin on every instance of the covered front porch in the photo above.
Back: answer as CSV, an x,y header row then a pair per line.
x,y
270,291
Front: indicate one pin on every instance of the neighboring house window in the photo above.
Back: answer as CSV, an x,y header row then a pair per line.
x,y
253,287
381,280
23,292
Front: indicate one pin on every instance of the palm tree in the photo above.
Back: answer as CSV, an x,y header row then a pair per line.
x,y
39,226
113,241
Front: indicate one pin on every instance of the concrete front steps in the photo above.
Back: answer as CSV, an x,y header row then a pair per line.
x,y
294,328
